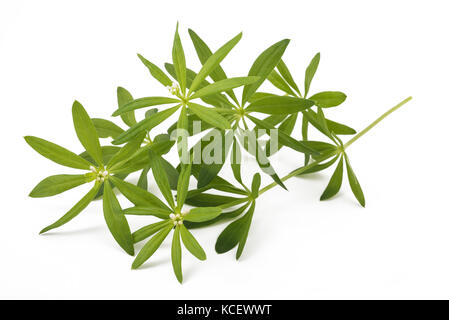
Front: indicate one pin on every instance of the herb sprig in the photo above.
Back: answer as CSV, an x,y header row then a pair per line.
x,y
206,105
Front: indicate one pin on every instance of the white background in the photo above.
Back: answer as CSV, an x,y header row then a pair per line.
x,y
378,53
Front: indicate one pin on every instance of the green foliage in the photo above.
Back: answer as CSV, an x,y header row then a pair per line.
x,y
207,97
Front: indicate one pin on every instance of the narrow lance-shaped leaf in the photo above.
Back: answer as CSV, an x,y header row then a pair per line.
x,y
191,244
263,66
214,60
86,132
161,178
236,159
57,153
143,103
334,183
151,246
143,178
179,61
124,97
137,195
149,230
126,152
235,233
277,81
202,214
156,72
182,133
75,210
255,185
310,72
224,85
283,70
204,53
254,148
284,138
279,105
176,254
209,115
148,211
116,220
146,124
57,184
328,99
248,217
106,128
183,184
354,183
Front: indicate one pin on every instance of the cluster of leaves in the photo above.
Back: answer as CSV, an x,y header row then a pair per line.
x,y
207,96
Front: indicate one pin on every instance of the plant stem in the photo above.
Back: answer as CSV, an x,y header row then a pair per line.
x,y
361,133
347,144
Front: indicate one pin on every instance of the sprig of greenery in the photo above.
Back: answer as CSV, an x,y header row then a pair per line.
x,y
206,97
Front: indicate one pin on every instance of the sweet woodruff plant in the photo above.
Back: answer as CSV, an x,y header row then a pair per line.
x,y
207,98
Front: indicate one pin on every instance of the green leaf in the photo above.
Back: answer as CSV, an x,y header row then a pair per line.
x,y
208,171
328,99
223,216
123,97
354,183
106,128
57,153
172,174
283,70
57,184
143,178
148,211
208,199
116,220
263,66
248,216
151,246
137,195
286,127
146,124
214,60
179,61
75,210
161,178
149,230
338,128
204,54
310,72
126,152
143,103
202,214
334,183
156,72
182,127
191,244
224,85
209,115
235,233
279,105
107,151
277,81
262,160
183,184
176,254
236,160
86,132
255,185
320,167
284,138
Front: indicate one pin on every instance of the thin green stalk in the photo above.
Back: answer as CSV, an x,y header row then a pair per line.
x,y
347,144
361,133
